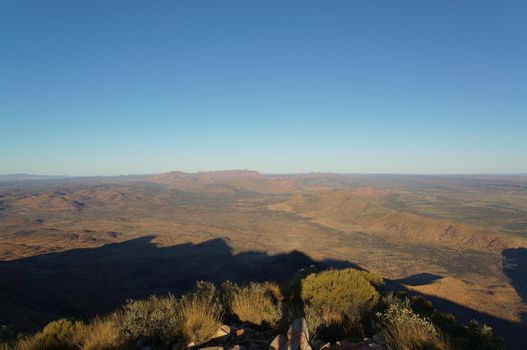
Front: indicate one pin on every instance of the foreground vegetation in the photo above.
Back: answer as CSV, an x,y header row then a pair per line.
x,y
336,304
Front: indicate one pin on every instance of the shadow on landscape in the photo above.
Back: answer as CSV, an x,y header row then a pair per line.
x,y
514,333
419,279
515,267
87,282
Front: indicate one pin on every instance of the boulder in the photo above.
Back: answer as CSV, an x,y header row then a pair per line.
x,y
279,343
298,335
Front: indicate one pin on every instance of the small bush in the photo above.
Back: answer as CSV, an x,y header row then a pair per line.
x,y
405,330
7,337
471,336
482,337
339,295
155,318
57,335
199,314
256,303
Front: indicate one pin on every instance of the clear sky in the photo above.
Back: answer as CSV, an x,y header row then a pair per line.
x,y
117,87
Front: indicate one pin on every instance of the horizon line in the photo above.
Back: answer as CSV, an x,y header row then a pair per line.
x,y
57,176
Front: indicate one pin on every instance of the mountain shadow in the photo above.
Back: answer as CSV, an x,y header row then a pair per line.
x,y
86,282
513,333
420,279
515,268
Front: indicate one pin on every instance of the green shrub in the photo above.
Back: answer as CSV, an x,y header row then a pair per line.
x,y
155,318
256,303
339,296
292,290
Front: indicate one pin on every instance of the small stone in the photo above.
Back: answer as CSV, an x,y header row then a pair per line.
x,y
238,347
349,345
139,343
317,344
239,332
278,343
326,346
222,333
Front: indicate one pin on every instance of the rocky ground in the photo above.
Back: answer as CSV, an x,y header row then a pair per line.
x,y
238,337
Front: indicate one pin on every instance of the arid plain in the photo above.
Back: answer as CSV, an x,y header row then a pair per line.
x,y
82,246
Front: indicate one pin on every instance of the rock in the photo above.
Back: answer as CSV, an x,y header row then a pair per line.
x,y
349,345
379,339
298,335
237,347
279,343
239,332
298,325
139,343
222,333
317,344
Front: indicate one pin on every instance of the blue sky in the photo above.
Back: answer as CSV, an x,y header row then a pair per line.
x,y
120,87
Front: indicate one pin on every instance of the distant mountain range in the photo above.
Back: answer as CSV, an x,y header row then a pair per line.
x,y
27,177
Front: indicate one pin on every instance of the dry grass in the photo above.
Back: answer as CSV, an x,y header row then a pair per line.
x,y
99,334
405,330
194,317
411,336
200,314
57,335
256,303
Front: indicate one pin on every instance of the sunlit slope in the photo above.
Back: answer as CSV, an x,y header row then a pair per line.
x,y
363,210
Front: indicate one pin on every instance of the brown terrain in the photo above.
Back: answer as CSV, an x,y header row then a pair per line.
x,y
82,246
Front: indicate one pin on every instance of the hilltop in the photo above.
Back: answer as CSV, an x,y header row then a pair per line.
x,y
345,309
